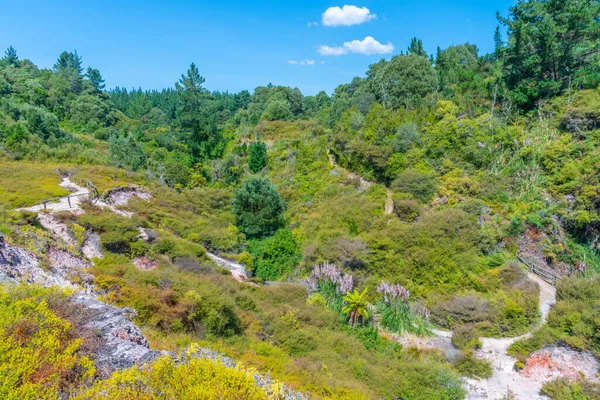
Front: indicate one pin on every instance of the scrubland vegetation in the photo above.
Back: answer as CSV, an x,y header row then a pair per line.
x,y
482,155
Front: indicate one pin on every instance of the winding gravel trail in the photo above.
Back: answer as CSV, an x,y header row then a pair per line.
x,y
504,378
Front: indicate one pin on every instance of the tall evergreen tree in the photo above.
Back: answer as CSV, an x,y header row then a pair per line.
x,y
68,62
191,96
258,156
93,75
69,66
258,207
551,43
416,47
498,42
10,56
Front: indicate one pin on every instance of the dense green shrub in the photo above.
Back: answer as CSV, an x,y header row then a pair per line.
x,y
258,207
117,233
208,314
275,257
422,185
565,389
257,156
466,336
406,209
473,367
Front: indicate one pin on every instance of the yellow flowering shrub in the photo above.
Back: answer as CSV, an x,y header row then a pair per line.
x,y
198,379
38,353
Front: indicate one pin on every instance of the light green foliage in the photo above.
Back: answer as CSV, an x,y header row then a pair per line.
x,y
209,315
356,304
126,153
277,110
91,112
78,232
116,232
512,311
405,208
397,316
27,184
403,81
473,367
565,389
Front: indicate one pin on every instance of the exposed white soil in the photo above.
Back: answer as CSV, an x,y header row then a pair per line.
x,y
389,203
72,202
237,270
58,228
91,246
121,196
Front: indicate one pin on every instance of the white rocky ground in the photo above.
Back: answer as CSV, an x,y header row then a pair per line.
x,y
91,246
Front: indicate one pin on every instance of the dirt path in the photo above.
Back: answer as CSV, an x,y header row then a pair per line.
x,y
72,202
504,378
389,203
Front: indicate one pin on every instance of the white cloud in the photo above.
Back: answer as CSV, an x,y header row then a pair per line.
x,y
313,24
347,16
301,62
367,46
332,51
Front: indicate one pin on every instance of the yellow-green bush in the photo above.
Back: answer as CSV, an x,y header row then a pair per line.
x,y
39,356
197,378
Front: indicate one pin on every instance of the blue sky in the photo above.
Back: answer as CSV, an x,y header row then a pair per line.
x,y
238,44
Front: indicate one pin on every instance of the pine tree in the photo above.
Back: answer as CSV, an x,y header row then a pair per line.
x,y
95,79
258,207
68,63
258,156
416,47
191,94
498,42
10,56
69,66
